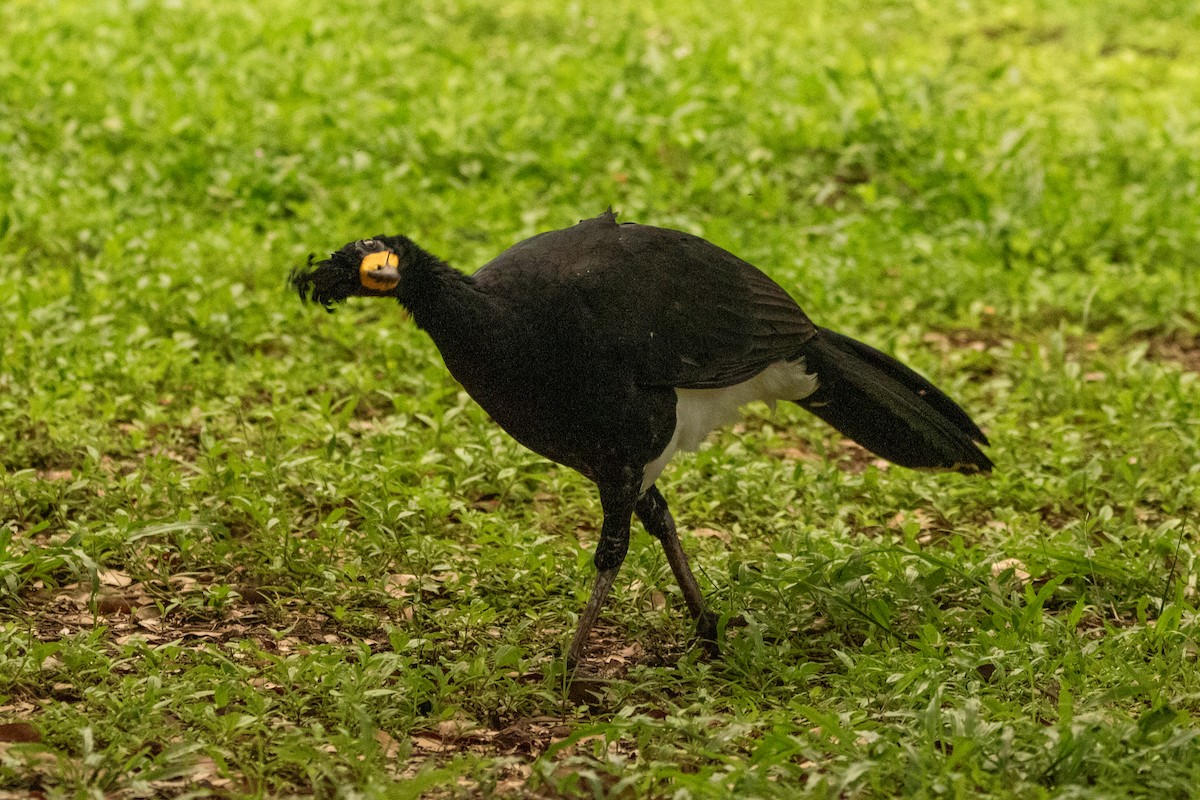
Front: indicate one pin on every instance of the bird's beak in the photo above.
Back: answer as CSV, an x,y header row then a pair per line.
x,y
380,271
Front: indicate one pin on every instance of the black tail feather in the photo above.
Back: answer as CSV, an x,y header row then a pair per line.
x,y
889,409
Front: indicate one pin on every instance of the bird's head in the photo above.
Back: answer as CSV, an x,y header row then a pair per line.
x,y
365,268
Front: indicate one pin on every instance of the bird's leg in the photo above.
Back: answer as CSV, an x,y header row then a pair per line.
x,y
610,554
652,510
600,589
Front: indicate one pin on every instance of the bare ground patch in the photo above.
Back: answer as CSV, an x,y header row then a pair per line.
x,y
1180,348
122,610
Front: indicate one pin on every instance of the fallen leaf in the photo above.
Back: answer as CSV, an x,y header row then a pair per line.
x,y
205,633
388,746
429,743
396,590
1015,564
456,727
113,577
630,652
21,732
149,618
114,604
184,583
65,691
794,454
917,515
712,533
74,594
657,601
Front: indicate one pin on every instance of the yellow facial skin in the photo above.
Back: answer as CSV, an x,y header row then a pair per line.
x,y
380,271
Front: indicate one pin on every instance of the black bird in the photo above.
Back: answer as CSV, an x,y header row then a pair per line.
x,y
609,347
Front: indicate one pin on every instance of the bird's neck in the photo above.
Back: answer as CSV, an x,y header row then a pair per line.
x,y
455,313
436,294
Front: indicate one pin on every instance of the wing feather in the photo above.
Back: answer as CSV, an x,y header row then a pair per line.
x,y
667,307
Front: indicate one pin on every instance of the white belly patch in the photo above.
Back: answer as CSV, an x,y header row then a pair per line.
x,y
699,411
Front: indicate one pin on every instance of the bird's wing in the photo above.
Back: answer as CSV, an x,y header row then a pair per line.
x,y
705,318
658,306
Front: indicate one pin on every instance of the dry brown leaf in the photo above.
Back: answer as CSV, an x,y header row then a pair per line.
x,y
917,515
511,785
73,594
205,770
149,618
1015,564
712,533
114,577
395,585
793,454
486,504
428,743
205,633
631,652
455,728
65,691
20,732
388,746
141,636
656,601
109,603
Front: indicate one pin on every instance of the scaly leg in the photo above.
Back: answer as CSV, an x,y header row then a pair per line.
x,y
652,510
610,554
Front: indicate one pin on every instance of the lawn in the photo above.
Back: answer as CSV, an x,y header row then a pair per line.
x,y
248,548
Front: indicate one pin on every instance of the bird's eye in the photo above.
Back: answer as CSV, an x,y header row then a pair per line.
x,y
368,244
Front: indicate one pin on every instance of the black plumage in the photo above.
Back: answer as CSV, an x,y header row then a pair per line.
x,y
604,346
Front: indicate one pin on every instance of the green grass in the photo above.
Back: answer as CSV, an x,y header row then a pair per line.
x,y
250,549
